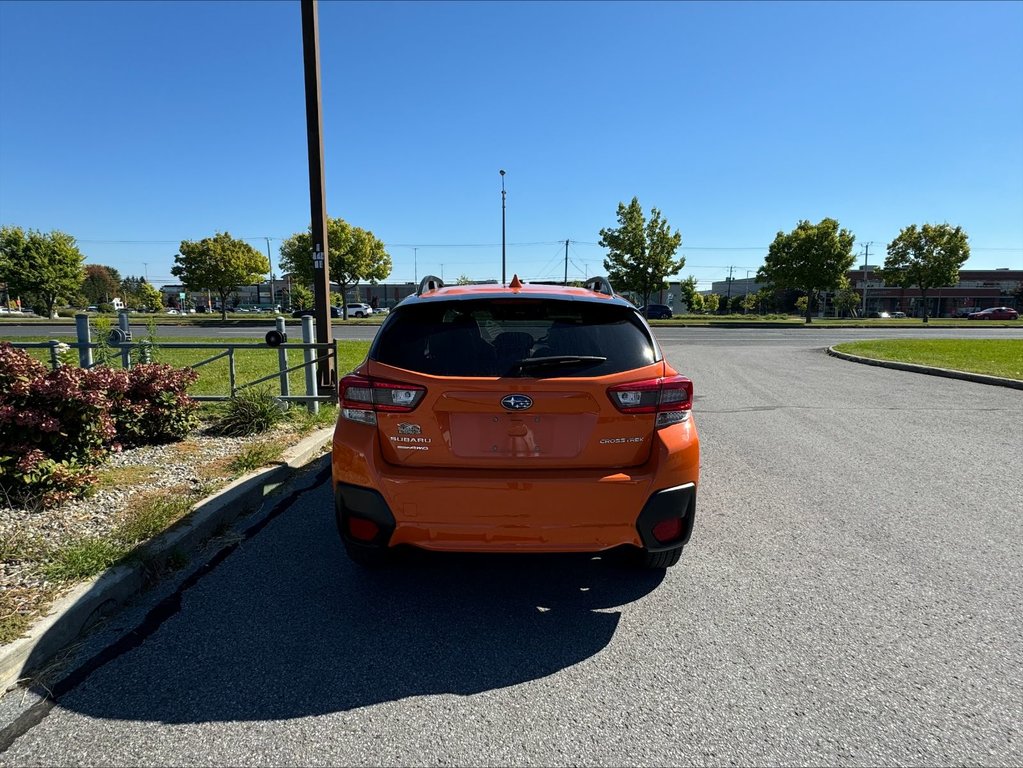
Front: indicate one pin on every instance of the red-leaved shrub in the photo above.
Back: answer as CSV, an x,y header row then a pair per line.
x,y
56,426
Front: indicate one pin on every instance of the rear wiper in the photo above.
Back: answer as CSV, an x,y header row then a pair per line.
x,y
558,361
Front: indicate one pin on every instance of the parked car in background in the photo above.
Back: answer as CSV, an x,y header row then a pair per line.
x,y
516,418
994,313
359,310
656,312
898,314
334,312
879,314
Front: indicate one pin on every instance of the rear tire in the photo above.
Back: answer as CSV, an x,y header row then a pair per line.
x,y
659,560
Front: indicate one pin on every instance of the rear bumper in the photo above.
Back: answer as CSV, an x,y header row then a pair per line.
x,y
540,511
483,534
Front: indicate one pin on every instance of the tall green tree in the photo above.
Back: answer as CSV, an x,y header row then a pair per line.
x,y
44,268
810,258
687,293
640,252
846,299
149,296
220,264
353,255
929,256
711,302
101,283
301,297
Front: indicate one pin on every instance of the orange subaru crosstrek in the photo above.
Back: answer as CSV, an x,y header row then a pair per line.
x,y
515,418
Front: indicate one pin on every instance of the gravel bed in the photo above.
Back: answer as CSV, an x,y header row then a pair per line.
x,y
183,465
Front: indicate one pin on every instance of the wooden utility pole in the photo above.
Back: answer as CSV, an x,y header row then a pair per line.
x,y
326,369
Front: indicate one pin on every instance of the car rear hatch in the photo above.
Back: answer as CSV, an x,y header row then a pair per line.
x,y
533,385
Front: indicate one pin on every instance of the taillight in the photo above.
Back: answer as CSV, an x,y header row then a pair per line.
x,y
670,398
362,397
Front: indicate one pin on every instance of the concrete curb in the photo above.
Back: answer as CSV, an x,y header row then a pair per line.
x,y
79,610
978,378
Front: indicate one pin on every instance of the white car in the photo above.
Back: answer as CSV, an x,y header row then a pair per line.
x,y
359,310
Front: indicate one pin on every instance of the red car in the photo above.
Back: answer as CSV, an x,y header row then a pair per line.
x,y
994,313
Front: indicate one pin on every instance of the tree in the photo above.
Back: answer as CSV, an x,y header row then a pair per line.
x,y
301,297
846,299
810,258
45,268
696,305
138,292
640,252
687,293
219,263
803,303
464,280
929,256
101,283
710,302
149,296
749,302
353,254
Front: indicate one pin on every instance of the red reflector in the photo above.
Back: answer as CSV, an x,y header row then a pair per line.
x,y
667,530
362,529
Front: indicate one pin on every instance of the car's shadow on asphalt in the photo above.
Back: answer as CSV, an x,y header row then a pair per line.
x,y
286,627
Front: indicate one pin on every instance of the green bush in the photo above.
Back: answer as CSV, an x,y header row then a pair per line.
x,y
249,413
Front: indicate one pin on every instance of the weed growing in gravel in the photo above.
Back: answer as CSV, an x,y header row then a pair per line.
x,y
305,421
250,412
82,559
255,456
151,516
19,606
120,477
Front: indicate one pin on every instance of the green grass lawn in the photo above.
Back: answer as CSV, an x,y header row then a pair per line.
x,y
252,361
994,357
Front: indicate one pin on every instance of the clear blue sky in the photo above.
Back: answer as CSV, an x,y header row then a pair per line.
x,y
134,125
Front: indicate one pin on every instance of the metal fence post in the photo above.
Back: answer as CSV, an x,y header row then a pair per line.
x,y
84,340
54,359
282,361
309,356
122,323
231,373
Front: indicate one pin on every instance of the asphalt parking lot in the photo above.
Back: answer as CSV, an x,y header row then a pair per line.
x,y
852,596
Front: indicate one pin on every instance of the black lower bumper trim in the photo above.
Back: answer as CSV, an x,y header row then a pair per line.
x,y
677,502
356,501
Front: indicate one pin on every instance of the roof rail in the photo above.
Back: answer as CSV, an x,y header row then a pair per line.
x,y
429,283
599,284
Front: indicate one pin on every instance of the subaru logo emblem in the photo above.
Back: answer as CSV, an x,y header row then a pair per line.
x,y
517,402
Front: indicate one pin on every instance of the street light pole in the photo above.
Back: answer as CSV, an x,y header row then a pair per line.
x,y
503,276
866,256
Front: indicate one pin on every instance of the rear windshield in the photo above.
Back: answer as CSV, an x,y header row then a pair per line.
x,y
514,337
